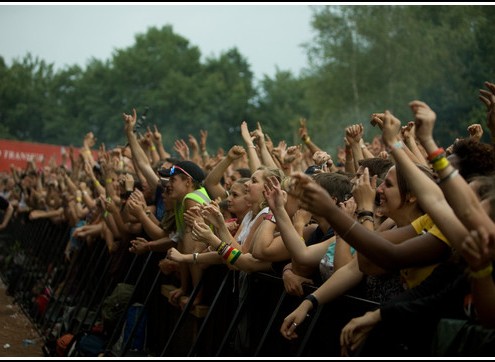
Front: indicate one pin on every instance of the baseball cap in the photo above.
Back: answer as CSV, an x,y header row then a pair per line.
x,y
187,168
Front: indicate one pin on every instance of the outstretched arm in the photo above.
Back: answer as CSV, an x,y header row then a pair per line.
x,y
212,180
142,160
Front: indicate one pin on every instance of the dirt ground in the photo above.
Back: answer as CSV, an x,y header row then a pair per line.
x,y
18,338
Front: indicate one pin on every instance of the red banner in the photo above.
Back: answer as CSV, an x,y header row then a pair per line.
x,y
18,153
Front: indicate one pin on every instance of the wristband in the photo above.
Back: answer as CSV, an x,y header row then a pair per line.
x,y
366,218
449,176
395,146
195,258
220,247
365,213
313,300
153,148
435,153
441,164
108,181
285,269
481,273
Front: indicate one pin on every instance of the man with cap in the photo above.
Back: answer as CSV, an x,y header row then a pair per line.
x,y
186,189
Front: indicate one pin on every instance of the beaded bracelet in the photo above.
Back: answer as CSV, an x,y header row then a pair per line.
x,y
481,273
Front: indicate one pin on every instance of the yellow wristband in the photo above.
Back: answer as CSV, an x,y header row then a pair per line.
x,y
153,148
441,164
481,273
108,180
307,140
97,183
78,199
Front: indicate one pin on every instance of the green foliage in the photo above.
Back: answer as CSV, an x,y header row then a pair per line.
x,y
366,59
363,59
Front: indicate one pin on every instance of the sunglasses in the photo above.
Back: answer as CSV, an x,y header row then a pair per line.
x,y
175,168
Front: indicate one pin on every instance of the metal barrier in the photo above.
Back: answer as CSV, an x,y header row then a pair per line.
x,y
231,326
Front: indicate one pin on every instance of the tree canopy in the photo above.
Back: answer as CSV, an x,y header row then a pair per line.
x,y
363,59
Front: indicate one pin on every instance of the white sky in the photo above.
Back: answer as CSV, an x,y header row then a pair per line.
x,y
269,36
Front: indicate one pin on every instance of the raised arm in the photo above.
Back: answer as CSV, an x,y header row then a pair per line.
x,y
303,133
429,195
414,251
212,180
157,139
138,153
293,241
253,159
266,157
488,98
459,195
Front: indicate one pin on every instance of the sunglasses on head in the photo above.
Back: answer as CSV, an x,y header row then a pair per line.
x,y
176,168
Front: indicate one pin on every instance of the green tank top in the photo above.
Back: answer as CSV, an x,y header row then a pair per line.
x,y
200,196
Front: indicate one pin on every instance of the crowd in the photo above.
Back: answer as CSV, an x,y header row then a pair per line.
x,y
410,221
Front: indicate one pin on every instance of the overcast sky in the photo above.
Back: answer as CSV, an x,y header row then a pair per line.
x,y
269,36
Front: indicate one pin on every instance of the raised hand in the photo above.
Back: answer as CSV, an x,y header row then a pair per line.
x,y
236,152
475,131
303,129
203,136
274,194
313,197
157,135
354,133
180,146
193,143
488,98
130,120
192,214
202,232
391,129
364,190
213,215
424,120
246,135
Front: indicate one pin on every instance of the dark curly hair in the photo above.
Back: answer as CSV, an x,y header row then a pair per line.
x,y
473,158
